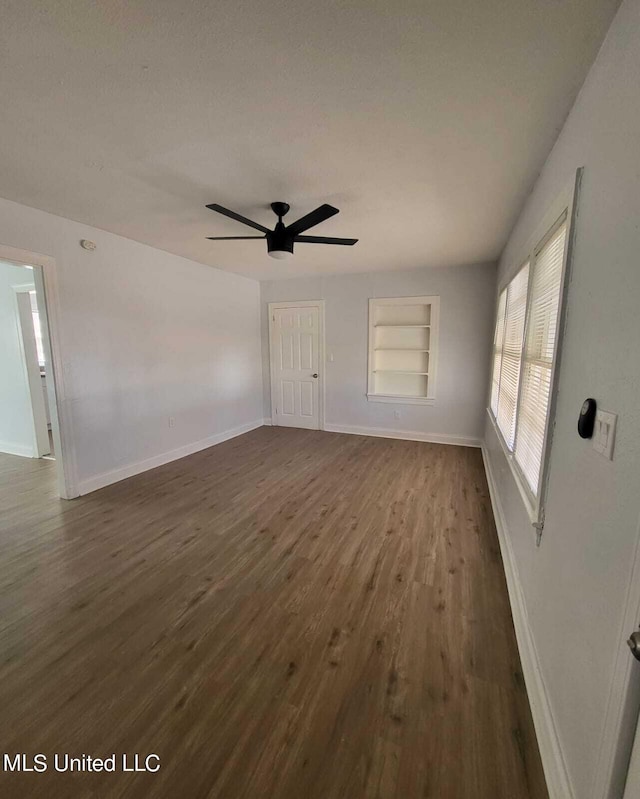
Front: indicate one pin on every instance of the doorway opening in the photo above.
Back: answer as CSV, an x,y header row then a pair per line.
x,y
29,425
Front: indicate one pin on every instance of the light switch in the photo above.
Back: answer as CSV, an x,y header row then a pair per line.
x,y
604,433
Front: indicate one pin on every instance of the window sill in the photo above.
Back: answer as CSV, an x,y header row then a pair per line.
x,y
530,504
400,399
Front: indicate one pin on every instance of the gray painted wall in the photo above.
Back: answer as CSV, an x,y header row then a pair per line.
x,y
575,584
466,309
145,336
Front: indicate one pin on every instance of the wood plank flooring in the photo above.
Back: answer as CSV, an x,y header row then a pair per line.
x,y
288,615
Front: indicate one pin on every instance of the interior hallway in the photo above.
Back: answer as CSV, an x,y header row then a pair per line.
x,y
287,614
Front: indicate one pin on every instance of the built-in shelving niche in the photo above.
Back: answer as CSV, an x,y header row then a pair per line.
x,y
403,334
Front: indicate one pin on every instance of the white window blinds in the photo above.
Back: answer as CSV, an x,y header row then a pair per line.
x,y
516,308
497,351
539,354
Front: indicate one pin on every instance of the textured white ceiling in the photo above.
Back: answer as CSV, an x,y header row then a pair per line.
x,y
424,121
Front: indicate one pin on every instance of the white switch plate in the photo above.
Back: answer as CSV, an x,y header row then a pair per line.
x,y
604,433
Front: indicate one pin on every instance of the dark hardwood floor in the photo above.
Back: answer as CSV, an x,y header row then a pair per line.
x,y
288,615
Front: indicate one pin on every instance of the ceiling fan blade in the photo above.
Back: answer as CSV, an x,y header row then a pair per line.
x,y
324,240
310,220
232,215
234,238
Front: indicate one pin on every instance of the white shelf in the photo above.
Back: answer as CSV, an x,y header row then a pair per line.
x,y
398,349
403,399
406,326
400,372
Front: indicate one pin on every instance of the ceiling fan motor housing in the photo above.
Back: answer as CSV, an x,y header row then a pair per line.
x,y
279,240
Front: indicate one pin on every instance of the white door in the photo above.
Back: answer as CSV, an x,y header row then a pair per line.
x,y
32,368
295,366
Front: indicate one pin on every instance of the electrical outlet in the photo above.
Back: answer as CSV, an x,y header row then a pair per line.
x,y
172,421
396,414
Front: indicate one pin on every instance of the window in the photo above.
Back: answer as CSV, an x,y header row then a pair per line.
x,y
515,311
524,352
403,346
539,350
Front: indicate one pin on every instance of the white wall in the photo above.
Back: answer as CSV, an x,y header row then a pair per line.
x,y
575,584
16,417
466,307
145,335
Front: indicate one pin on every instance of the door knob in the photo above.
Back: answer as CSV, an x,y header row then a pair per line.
x,y
634,644
314,375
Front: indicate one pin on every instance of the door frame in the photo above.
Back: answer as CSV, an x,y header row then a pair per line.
x,y
319,304
622,716
45,279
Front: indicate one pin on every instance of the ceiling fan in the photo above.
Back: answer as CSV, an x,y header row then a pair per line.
x,y
281,239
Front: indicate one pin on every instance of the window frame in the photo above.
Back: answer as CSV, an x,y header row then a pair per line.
x,y
562,210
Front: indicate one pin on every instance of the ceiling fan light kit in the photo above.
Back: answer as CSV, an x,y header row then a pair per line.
x,y
281,239
280,255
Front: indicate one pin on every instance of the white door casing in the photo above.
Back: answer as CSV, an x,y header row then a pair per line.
x,y
295,337
616,762
632,787
45,279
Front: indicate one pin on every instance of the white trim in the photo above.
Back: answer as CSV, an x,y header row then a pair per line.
x,y
122,473
403,435
396,399
296,304
621,716
553,762
13,448
319,304
45,278
571,198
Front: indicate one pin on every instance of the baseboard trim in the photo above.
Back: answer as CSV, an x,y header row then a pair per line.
x,y
12,448
403,435
553,762
114,476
